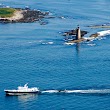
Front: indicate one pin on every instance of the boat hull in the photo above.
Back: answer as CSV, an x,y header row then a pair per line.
x,y
21,93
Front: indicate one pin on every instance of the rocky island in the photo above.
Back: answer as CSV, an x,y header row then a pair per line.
x,y
18,15
100,26
77,36
73,33
74,36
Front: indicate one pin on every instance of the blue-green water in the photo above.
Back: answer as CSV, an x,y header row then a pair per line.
x,y
34,53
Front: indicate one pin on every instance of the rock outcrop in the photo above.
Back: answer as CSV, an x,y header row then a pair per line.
x,y
24,16
73,32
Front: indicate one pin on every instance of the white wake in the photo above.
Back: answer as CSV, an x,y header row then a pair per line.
x,y
103,33
89,91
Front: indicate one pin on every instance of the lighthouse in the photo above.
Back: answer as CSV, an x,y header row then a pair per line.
x,y
78,33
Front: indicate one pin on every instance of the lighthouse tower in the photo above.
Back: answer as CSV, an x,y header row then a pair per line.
x,y
78,33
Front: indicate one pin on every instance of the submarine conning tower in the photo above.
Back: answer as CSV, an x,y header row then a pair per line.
x,y
78,33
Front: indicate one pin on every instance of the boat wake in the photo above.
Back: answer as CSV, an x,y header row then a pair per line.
x,y
89,91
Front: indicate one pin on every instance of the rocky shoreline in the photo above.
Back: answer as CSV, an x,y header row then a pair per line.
x,y
24,16
100,26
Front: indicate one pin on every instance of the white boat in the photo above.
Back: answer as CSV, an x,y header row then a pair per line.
x,y
22,90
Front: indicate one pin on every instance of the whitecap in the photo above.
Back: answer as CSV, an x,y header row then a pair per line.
x,y
91,44
50,43
47,43
69,43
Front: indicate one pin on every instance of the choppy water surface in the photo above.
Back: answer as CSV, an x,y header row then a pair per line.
x,y
34,53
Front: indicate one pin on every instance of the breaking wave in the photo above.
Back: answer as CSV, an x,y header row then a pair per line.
x,y
99,35
103,33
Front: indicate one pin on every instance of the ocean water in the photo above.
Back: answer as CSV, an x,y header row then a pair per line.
x,y
36,54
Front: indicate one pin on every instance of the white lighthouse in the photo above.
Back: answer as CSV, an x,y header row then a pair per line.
x,y
78,33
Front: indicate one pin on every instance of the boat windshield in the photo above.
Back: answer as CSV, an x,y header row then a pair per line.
x,y
23,87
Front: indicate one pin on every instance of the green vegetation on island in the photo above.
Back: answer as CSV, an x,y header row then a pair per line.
x,y
6,12
19,15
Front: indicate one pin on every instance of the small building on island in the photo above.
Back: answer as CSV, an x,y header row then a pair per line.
x,y
75,35
78,33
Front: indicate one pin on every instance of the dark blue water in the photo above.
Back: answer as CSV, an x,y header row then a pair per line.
x,y
34,53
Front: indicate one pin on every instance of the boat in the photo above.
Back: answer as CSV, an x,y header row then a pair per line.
x,y
22,90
